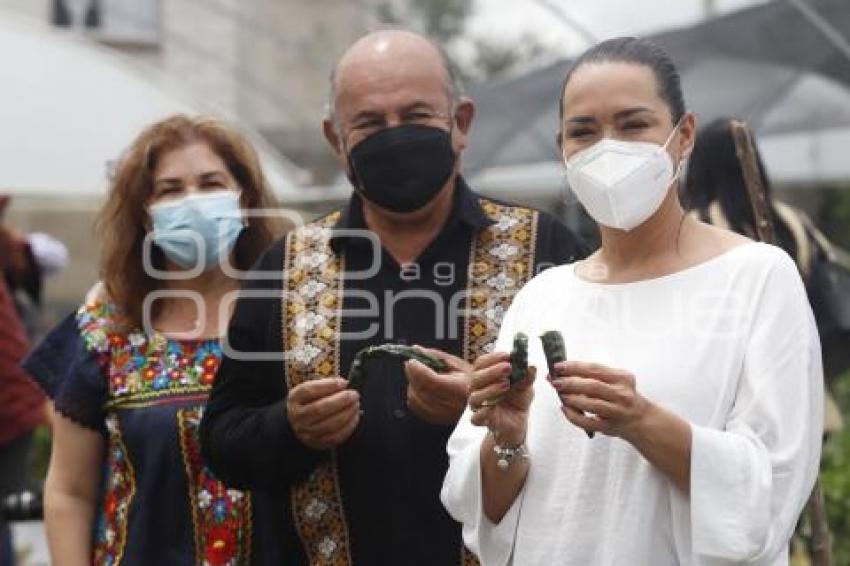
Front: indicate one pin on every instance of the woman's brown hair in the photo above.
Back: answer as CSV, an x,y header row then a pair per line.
x,y
122,222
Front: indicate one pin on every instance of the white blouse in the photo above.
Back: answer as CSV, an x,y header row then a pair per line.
x,y
729,345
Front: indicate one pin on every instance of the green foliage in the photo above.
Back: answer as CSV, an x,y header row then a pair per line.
x,y
41,453
833,218
834,215
835,476
444,20
496,59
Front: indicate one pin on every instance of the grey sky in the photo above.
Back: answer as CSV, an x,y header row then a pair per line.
x,y
509,19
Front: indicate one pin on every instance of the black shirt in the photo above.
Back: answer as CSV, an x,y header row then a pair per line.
x,y
391,470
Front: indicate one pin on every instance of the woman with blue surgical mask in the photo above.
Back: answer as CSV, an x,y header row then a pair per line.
x,y
684,426
129,373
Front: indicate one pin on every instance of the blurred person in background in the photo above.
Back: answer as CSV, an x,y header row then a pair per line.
x,y
22,409
717,193
130,372
691,351
24,260
30,259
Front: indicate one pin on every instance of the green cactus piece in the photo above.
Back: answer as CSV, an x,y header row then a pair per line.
x,y
357,374
556,352
554,349
519,358
519,366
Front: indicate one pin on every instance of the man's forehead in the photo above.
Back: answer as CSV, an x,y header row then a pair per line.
x,y
387,61
390,83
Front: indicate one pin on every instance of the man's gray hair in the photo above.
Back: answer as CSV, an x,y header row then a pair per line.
x,y
454,82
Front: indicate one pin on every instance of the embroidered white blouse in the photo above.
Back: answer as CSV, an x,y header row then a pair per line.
x,y
731,346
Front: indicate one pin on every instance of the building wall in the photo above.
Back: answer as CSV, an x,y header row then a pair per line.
x,y
295,52
263,62
38,9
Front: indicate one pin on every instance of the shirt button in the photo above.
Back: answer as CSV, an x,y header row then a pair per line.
x,y
399,413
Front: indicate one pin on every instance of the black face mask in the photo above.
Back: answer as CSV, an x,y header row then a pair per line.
x,y
402,168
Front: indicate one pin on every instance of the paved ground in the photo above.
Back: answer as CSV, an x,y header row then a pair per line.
x,y
31,544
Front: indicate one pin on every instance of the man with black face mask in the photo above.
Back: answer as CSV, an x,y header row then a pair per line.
x,y
353,476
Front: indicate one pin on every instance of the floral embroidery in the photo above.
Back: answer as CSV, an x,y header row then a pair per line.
x,y
312,261
316,232
312,288
306,354
111,527
501,261
139,368
502,258
222,517
505,223
310,331
307,322
504,251
315,509
501,282
327,547
496,314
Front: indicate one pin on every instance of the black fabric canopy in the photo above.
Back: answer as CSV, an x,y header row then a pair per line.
x,y
770,65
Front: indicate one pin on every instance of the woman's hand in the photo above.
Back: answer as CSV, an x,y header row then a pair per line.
x,y
495,404
601,399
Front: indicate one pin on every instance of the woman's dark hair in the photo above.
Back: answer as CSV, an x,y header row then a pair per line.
x,y
715,174
638,52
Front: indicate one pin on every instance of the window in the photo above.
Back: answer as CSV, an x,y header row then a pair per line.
x,y
119,22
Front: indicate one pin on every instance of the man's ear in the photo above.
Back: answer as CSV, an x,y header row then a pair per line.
x,y
464,114
332,136
463,117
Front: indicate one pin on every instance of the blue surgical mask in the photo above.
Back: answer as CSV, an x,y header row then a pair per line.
x,y
199,228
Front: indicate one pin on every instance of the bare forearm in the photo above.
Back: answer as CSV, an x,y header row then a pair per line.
x,y
500,488
665,440
68,520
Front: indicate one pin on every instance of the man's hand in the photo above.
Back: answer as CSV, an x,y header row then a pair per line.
x,y
323,413
437,398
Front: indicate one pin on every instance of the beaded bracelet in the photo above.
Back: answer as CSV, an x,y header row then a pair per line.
x,y
507,454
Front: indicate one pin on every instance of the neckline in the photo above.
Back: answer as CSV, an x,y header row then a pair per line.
x,y
667,277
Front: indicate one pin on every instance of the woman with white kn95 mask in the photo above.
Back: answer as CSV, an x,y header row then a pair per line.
x,y
683,427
